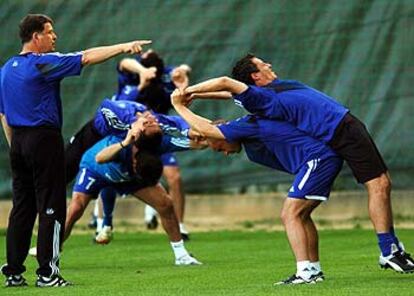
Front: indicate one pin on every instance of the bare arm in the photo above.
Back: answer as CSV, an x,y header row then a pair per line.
x,y
109,153
133,66
223,83
220,95
179,76
6,128
200,124
100,54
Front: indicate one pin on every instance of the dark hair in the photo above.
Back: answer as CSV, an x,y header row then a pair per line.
x,y
154,60
155,97
148,167
32,23
244,68
149,142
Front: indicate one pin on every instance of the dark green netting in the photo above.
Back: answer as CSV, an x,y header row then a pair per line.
x,y
360,52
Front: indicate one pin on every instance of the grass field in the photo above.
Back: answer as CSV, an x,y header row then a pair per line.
x,y
235,263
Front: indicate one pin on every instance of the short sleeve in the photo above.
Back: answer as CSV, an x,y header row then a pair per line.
x,y
55,66
239,129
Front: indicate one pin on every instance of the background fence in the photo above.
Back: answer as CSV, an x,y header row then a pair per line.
x,y
358,51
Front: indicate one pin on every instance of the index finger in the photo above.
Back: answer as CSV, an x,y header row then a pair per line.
x,y
144,42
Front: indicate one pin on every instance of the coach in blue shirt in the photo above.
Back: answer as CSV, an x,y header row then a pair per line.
x,y
30,93
259,91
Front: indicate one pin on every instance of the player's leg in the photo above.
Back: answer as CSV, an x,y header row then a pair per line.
x,y
76,208
21,219
172,175
353,142
108,197
157,197
312,185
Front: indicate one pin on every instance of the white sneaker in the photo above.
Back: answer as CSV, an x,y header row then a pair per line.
x,y
187,260
33,252
104,236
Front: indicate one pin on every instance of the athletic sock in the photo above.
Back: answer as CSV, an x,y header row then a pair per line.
x,y
108,196
179,249
303,269
385,242
315,267
149,213
396,241
182,228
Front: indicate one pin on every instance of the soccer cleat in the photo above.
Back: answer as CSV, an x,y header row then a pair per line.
x,y
33,252
295,280
406,255
184,233
398,261
15,281
318,277
152,224
187,260
104,236
54,281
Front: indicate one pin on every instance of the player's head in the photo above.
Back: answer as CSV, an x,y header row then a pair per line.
x,y
151,137
224,146
151,59
252,70
38,28
148,166
155,97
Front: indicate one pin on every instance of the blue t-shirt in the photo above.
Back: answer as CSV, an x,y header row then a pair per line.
x,y
116,117
30,85
117,171
310,110
275,144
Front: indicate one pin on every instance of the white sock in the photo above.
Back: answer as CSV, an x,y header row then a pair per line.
x,y
99,224
303,269
149,213
182,229
96,208
315,267
179,249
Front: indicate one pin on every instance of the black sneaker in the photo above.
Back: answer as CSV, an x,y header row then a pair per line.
x,y
54,281
93,222
319,277
153,224
406,255
185,236
398,261
295,280
15,281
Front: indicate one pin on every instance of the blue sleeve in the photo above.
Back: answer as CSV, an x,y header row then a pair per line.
x,y
260,101
174,144
1,97
239,129
128,93
55,66
113,113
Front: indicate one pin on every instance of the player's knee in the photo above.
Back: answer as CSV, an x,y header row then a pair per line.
x,y
165,206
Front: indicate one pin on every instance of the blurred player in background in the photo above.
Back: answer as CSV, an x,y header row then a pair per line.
x,y
149,73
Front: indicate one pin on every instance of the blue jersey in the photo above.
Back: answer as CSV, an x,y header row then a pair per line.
x,y
275,144
30,85
1,98
116,117
310,110
117,171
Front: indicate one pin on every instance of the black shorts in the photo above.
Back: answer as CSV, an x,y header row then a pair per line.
x,y
354,144
84,139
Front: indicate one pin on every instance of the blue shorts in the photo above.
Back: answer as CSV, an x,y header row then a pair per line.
x,y
169,159
314,180
88,182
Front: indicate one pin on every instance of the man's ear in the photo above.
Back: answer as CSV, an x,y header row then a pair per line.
x,y
255,76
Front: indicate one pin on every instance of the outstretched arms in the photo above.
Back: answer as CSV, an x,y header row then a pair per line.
x,y
200,124
100,54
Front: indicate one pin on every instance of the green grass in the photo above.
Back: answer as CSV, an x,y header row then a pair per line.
x,y
235,263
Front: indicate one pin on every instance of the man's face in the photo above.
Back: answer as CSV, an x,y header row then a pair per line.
x,y
46,40
265,75
151,126
224,146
